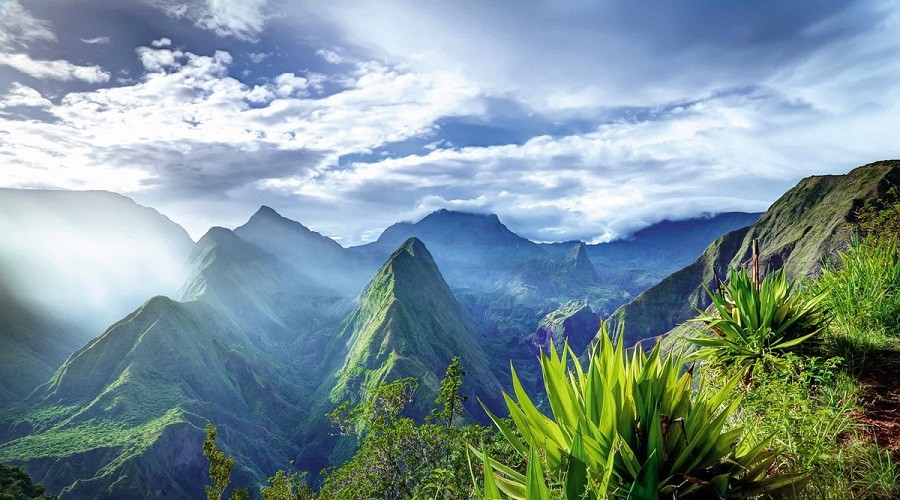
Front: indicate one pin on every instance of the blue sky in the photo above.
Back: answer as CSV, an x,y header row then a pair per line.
x,y
570,120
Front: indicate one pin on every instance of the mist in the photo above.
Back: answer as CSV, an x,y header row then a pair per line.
x,y
88,257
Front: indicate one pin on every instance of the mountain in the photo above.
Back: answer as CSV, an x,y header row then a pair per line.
x,y
245,283
652,253
809,223
32,346
310,253
88,257
573,322
408,324
123,416
470,248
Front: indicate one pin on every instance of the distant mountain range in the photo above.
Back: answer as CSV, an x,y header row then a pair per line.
x,y
274,324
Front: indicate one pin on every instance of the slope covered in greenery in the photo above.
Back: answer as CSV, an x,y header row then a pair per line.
x,y
806,224
408,323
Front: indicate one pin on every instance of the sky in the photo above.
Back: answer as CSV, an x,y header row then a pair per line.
x,y
570,120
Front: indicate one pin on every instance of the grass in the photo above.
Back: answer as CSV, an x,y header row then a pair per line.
x,y
864,299
813,405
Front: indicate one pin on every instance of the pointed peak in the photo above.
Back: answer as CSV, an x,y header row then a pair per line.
x,y
217,234
266,211
414,246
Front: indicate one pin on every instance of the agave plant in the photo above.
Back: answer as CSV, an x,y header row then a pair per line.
x,y
631,428
754,324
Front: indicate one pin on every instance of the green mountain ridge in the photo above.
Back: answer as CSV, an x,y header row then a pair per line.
x,y
806,225
408,323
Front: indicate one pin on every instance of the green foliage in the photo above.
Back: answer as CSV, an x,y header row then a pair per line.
x,y
16,484
284,486
755,325
809,411
881,216
449,400
864,289
632,427
219,469
398,458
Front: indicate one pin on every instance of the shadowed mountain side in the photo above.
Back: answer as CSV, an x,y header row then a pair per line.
x,y
573,322
310,253
806,225
32,346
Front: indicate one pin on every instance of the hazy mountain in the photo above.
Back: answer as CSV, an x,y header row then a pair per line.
x,y
123,416
649,255
88,257
32,346
470,248
310,253
408,323
805,225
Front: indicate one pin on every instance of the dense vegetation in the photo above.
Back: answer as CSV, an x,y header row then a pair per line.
x,y
16,484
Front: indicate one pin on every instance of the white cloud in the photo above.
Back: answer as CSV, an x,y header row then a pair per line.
x,y
188,119
330,56
21,95
162,42
100,40
242,19
56,70
258,57
289,84
19,29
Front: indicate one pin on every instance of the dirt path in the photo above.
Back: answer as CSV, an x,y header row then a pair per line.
x,y
881,399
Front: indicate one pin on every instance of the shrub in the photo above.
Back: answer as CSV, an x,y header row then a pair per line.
x,y
628,427
755,325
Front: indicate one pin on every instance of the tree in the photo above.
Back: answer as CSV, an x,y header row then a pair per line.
x,y
219,469
449,400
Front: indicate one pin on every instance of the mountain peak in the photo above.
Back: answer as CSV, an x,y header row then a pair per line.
x,y
267,211
219,235
414,247
578,257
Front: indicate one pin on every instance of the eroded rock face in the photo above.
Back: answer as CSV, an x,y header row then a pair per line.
x,y
573,321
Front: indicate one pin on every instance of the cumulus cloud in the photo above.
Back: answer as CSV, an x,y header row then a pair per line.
x,y
330,56
162,42
258,57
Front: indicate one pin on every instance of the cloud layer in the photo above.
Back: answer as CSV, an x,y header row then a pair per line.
x,y
585,121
